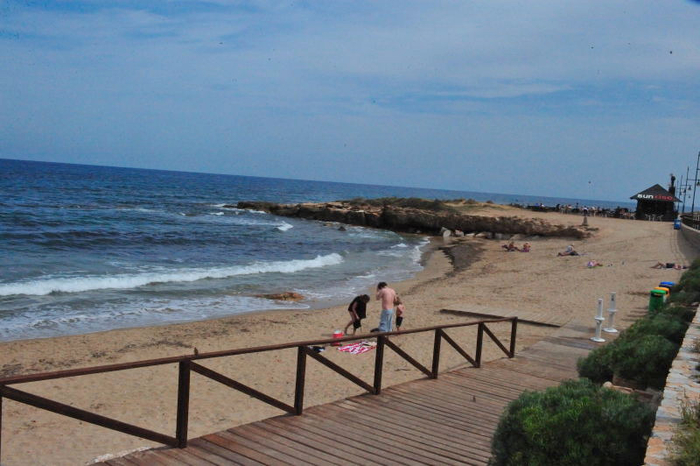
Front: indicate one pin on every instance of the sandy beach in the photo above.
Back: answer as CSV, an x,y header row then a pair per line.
x,y
476,276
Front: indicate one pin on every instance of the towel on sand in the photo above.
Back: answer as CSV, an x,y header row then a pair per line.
x,y
358,348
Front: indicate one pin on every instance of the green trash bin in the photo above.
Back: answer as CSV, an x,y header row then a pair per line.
x,y
656,299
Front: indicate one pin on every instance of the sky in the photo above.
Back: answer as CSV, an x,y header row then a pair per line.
x,y
582,99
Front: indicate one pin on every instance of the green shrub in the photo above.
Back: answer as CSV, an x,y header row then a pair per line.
x,y
684,297
435,205
596,366
575,423
686,439
664,324
684,313
644,360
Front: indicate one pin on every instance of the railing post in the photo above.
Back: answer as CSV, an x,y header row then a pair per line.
x,y
513,333
378,364
479,343
436,353
301,377
183,403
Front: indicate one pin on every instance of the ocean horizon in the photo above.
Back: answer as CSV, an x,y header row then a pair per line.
x,y
92,248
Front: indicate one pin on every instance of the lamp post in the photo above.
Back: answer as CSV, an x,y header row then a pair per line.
x,y
695,185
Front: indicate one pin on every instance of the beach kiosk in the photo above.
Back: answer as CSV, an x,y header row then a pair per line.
x,y
656,203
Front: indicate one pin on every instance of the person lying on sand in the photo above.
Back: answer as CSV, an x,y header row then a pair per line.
x,y
510,247
669,265
526,247
569,251
594,263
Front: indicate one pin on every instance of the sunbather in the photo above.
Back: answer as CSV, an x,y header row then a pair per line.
x,y
509,247
569,251
669,265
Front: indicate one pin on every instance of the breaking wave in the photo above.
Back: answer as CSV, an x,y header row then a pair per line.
x,y
126,281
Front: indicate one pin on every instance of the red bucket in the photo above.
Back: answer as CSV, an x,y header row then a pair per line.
x,y
337,334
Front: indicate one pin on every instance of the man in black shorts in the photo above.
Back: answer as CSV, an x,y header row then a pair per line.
x,y
358,311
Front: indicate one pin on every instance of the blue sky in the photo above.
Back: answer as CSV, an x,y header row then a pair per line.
x,y
533,98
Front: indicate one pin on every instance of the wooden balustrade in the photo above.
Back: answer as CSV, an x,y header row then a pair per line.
x,y
187,365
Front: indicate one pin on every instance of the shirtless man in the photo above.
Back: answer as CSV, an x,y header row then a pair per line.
x,y
387,297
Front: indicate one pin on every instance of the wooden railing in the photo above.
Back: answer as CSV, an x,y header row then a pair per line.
x,y
187,365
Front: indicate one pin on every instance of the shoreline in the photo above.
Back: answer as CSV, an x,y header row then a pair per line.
x,y
479,277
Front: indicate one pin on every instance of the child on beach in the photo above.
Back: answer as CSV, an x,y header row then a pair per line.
x,y
358,311
400,310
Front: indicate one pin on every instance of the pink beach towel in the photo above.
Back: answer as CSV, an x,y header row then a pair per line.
x,y
358,348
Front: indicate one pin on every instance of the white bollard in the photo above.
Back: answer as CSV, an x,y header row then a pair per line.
x,y
611,315
599,322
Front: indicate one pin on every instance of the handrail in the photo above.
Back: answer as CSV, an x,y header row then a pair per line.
x,y
691,220
186,366
217,354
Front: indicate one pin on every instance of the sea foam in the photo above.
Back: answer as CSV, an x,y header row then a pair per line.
x,y
126,281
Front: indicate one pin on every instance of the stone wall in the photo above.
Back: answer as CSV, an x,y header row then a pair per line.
x,y
682,382
691,235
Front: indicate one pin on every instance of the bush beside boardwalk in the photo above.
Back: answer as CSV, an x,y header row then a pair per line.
x,y
581,422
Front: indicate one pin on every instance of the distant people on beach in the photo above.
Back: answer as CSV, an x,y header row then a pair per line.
x,y
668,265
512,247
358,311
387,296
400,311
569,251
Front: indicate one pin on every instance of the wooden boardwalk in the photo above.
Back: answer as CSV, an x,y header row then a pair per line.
x,y
449,420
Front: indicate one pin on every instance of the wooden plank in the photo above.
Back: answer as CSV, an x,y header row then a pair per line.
x,y
449,428
490,386
463,382
293,439
282,444
328,441
264,446
367,442
426,423
508,378
198,452
123,461
227,456
182,456
148,458
234,446
467,415
393,444
448,394
395,433
419,438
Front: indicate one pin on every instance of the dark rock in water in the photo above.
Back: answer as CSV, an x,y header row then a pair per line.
x,y
342,228
411,219
286,296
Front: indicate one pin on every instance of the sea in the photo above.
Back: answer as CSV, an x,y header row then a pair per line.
x,y
92,248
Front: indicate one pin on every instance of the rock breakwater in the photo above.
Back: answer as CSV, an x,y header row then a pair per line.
x,y
414,220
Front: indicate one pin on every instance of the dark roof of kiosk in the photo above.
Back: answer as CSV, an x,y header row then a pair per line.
x,y
656,193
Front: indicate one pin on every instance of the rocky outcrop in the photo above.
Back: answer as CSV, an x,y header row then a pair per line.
x,y
286,296
412,220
